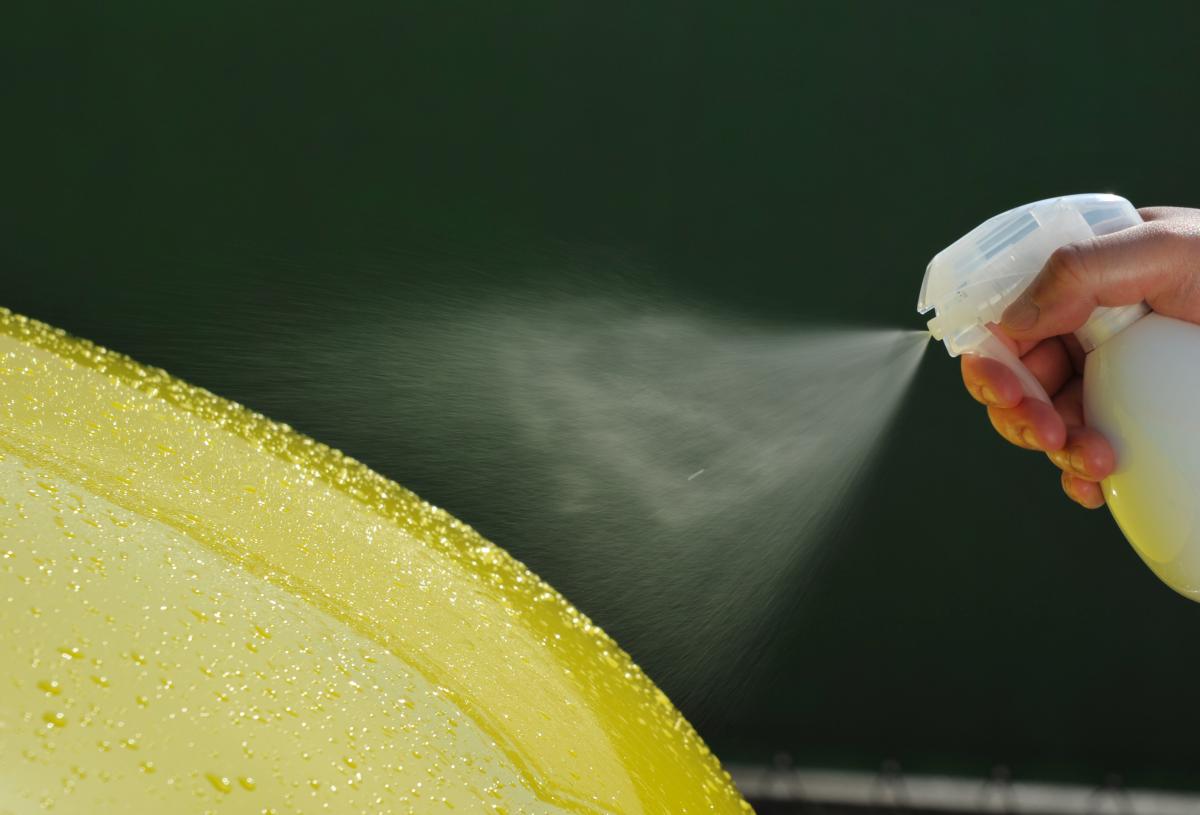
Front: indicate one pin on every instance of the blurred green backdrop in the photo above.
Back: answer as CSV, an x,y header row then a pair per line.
x,y
190,182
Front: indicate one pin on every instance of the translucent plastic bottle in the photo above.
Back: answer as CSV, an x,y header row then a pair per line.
x,y
1141,388
1141,376
204,611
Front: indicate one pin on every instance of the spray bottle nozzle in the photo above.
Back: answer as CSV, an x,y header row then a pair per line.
x,y
971,282
935,329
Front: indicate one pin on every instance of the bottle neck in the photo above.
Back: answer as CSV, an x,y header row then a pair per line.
x,y
1106,323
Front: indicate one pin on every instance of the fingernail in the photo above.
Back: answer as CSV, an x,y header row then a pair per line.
x,y
1028,437
1021,315
1068,484
1076,461
988,395
1069,459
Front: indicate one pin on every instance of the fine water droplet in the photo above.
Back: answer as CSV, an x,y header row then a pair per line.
x,y
50,686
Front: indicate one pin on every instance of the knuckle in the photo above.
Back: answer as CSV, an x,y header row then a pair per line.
x,y
1165,213
1068,265
1172,235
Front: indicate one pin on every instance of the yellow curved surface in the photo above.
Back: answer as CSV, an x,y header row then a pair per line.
x,y
204,611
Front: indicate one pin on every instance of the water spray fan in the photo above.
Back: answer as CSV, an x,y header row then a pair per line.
x,y
1140,380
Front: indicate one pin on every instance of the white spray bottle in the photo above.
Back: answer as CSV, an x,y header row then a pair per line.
x,y
1141,378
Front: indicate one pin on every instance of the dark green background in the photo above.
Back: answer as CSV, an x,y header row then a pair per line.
x,y
177,174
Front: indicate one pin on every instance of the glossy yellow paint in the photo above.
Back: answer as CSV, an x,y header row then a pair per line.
x,y
205,610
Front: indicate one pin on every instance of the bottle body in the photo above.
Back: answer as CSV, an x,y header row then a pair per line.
x,y
1142,391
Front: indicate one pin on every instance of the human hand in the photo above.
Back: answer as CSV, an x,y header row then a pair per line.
x,y
1159,262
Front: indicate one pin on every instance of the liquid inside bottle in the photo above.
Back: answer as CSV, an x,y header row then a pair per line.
x,y
1142,391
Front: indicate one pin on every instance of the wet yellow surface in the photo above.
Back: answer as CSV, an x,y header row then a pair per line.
x,y
204,610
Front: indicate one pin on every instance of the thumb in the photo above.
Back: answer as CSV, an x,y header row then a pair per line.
x,y
1151,262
